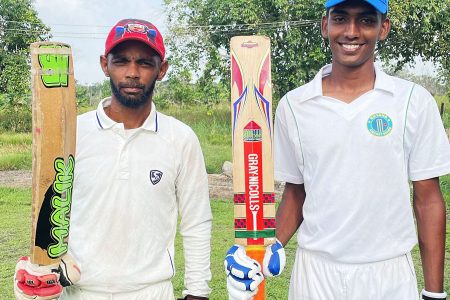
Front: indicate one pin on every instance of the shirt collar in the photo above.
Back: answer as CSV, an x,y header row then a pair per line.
x,y
105,122
314,88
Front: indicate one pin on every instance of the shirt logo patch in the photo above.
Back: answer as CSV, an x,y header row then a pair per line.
x,y
155,176
379,124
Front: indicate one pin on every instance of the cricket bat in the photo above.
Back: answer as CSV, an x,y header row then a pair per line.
x,y
54,134
252,135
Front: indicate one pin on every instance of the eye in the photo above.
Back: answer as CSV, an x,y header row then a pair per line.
x,y
119,61
338,19
368,20
146,63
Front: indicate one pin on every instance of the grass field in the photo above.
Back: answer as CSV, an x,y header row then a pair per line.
x,y
15,236
212,125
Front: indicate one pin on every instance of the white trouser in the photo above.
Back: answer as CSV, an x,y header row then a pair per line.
x,y
317,278
159,291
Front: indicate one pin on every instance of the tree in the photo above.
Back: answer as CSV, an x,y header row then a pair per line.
x,y
19,26
419,28
203,28
201,31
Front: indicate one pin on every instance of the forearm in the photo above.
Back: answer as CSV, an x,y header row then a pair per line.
x,y
197,252
290,212
429,210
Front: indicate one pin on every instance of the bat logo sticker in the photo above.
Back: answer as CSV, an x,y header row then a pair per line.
x,y
155,176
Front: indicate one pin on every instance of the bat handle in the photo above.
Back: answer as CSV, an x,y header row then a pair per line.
x,y
257,253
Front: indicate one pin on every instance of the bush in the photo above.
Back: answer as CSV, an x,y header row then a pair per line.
x,y
15,121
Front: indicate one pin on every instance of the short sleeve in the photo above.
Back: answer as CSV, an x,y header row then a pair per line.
x,y
426,142
287,168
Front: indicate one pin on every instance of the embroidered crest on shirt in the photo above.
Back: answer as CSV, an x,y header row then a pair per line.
x,y
379,124
155,176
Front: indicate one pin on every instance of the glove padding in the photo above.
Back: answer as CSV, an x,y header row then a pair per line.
x,y
274,260
36,282
244,274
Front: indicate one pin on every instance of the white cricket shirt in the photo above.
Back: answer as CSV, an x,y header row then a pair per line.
x,y
355,161
130,186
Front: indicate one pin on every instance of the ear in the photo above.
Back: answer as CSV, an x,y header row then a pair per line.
x,y
324,27
104,64
385,28
163,70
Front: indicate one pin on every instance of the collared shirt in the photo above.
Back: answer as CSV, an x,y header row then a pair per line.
x,y
130,186
355,161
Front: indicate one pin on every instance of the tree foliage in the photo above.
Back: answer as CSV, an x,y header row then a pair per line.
x,y
200,40
19,26
201,31
419,28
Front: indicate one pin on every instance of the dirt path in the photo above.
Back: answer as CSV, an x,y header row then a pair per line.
x,y
220,185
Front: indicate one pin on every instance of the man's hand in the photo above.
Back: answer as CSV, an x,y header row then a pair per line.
x,y
274,260
244,274
44,282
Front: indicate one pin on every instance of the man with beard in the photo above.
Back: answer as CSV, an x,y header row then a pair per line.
x,y
136,170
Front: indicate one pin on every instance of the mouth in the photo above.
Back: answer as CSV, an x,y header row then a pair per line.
x,y
351,47
131,89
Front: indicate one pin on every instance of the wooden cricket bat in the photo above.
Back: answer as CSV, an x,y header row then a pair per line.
x,y
54,133
252,134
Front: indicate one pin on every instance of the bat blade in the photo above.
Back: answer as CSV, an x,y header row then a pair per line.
x,y
54,135
252,134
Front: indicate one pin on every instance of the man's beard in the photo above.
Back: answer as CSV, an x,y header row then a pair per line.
x,y
132,102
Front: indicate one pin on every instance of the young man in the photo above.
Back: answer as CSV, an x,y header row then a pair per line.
x,y
137,169
347,144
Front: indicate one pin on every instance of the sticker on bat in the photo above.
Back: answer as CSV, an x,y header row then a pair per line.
x,y
55,68
52,227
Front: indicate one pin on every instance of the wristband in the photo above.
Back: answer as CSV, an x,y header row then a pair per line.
x,y
426,295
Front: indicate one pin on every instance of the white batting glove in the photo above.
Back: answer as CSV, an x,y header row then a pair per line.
x,y
243,274
274,260
44,282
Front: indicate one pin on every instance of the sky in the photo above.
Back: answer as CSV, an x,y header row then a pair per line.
x,y
84,25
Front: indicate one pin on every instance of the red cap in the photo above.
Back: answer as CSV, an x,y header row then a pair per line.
x,y
137,30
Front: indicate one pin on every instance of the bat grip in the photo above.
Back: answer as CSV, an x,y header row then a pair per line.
x,y
257,253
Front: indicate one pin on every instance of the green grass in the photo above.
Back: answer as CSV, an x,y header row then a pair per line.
x,y
15,151
446,113
212,126
15,234
15,226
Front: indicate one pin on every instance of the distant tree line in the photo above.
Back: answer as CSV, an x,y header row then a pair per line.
x,y
198,43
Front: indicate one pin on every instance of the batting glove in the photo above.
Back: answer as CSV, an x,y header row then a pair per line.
x,y
36,282
274,260
426,295
243,274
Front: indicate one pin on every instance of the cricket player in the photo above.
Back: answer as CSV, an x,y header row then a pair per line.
x,y
137,170
347,144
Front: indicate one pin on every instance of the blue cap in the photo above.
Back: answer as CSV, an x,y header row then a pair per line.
x,y
380,5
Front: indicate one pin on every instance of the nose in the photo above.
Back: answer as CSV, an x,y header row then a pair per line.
x,y
132,70
352,30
